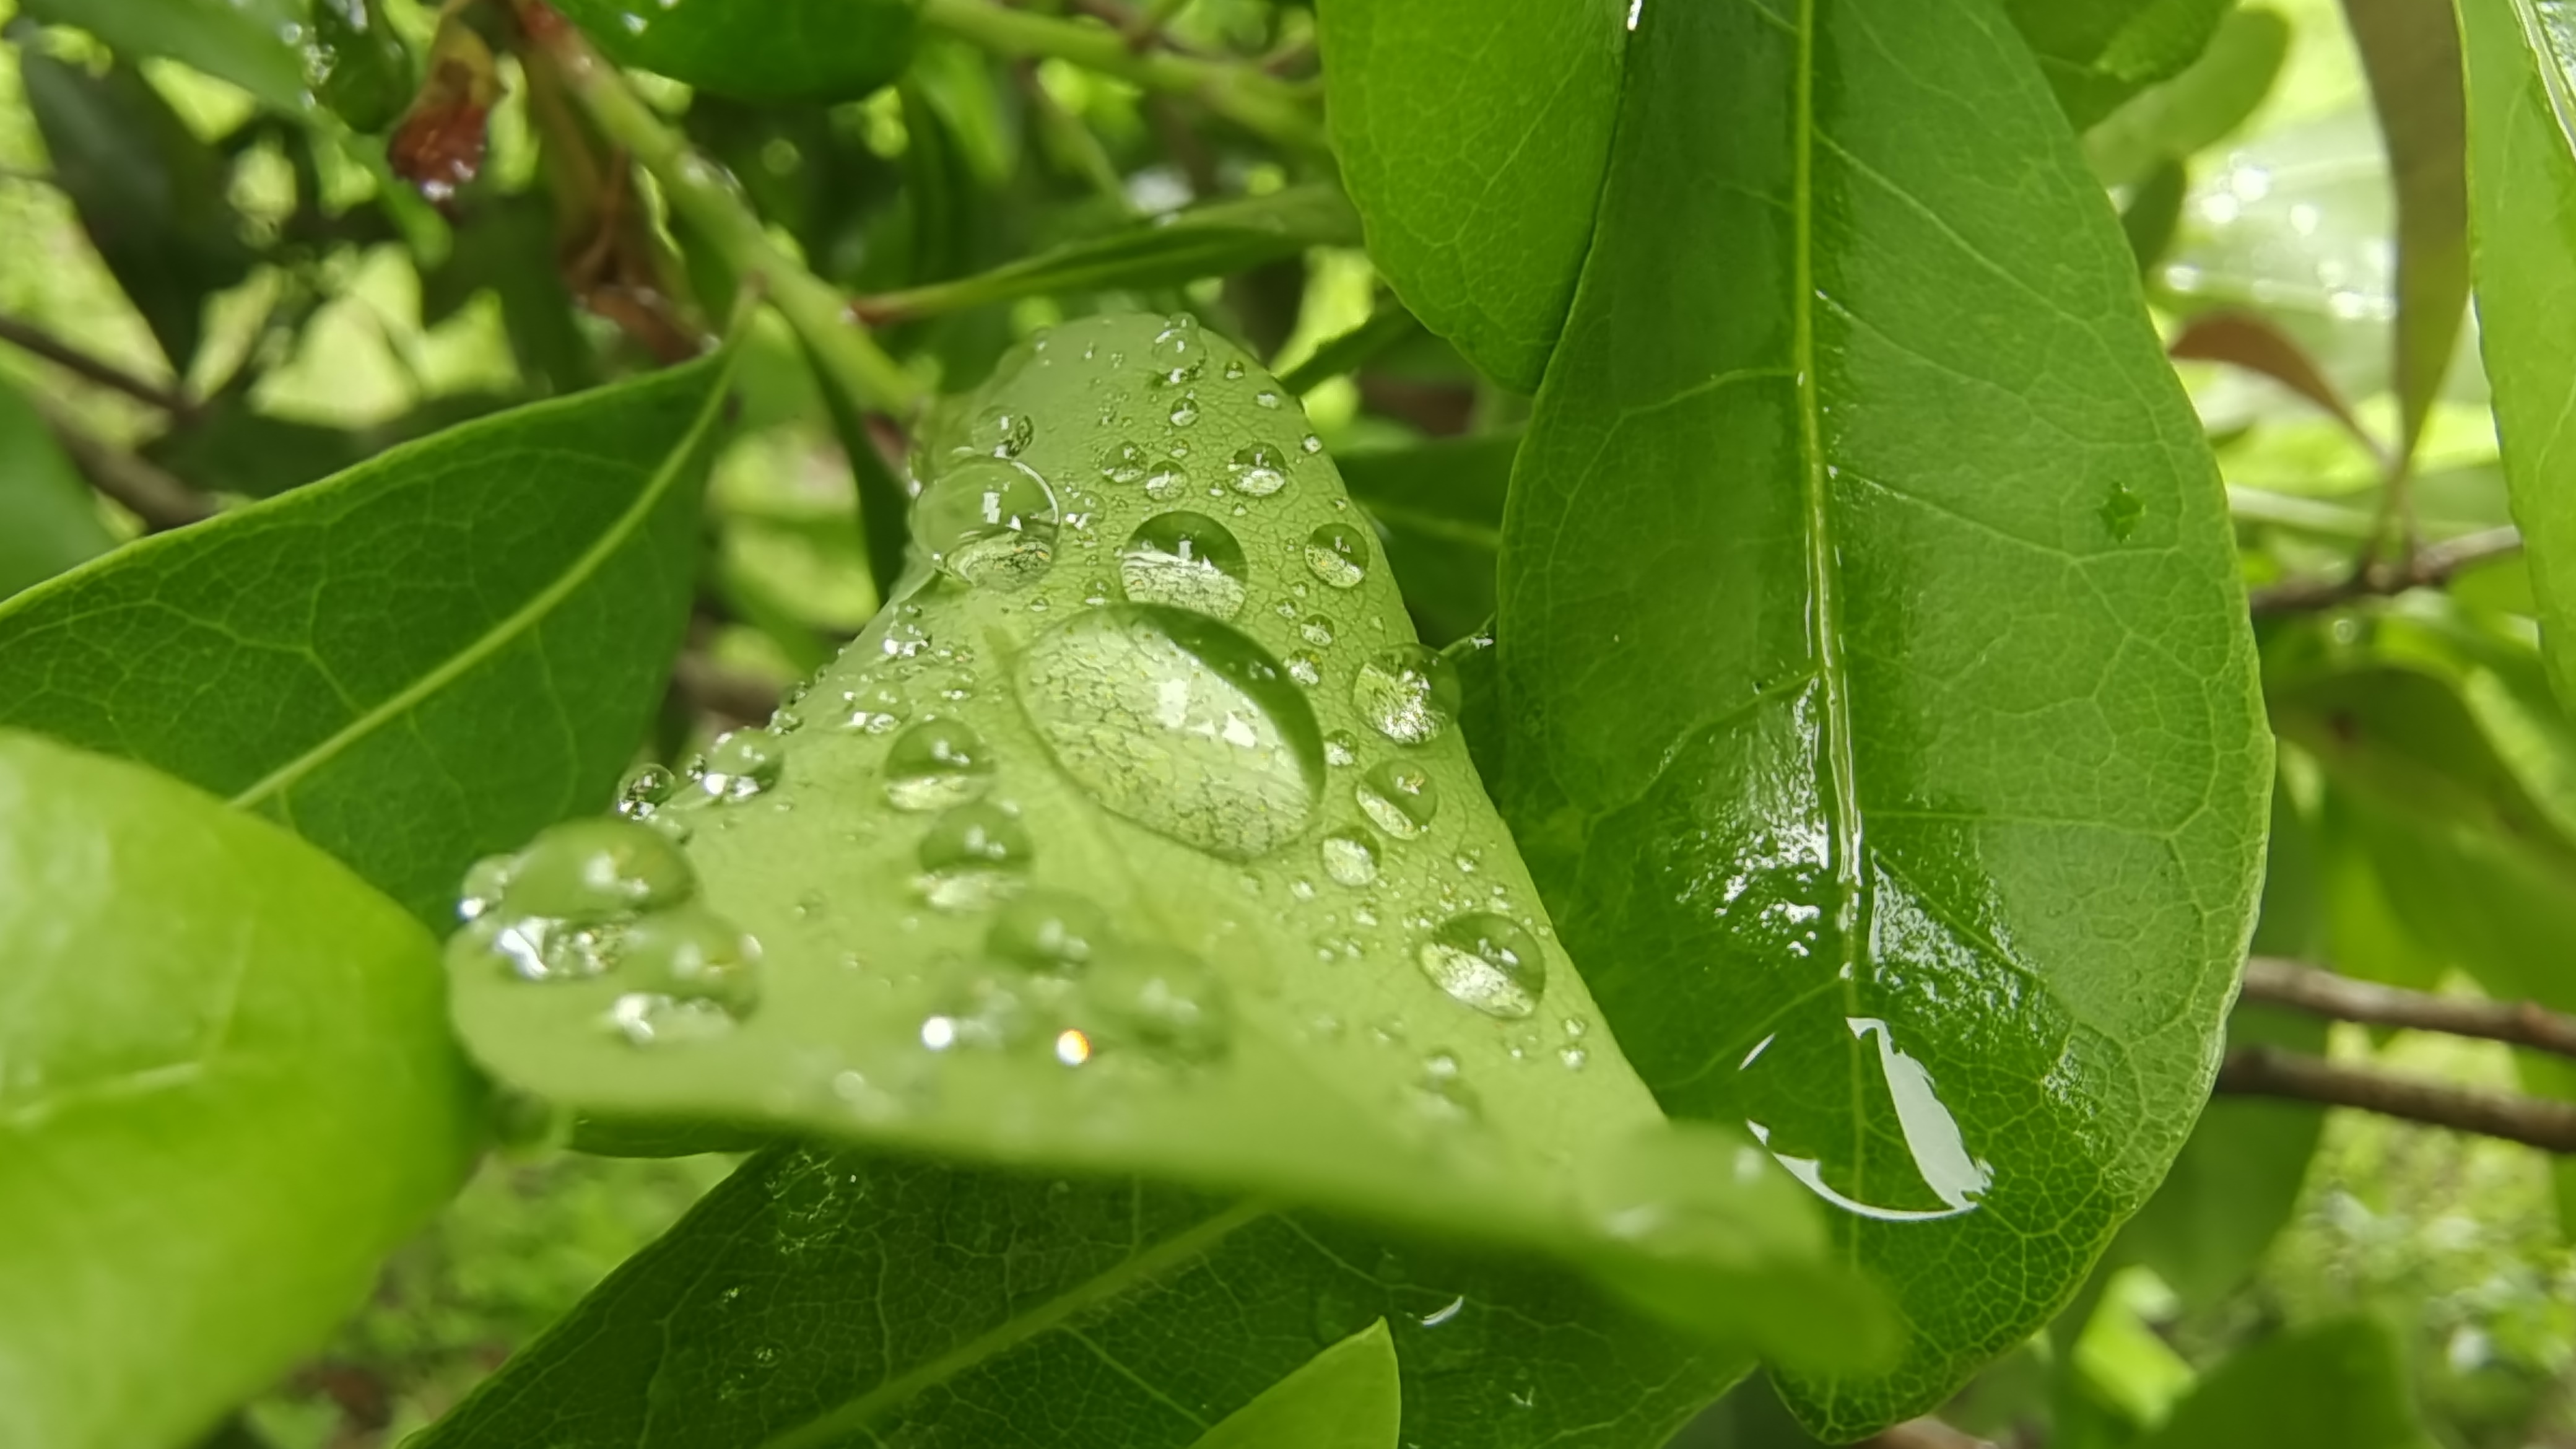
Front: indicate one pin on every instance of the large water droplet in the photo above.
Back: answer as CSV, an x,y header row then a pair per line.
x,y
1409,692
1338,553
739,765
1487,962
1048,931
1166,1000
1399,798
935,764
1186,560
1350,856
981,1013
974,857
1259,470
988,521
1178,723
1941,1179
596,869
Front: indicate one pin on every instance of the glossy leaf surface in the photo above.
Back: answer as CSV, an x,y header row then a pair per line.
x,y
847,1299
1135,837
48,519
1350,1396
1884,719
760,50
2522,173
1472,136
226,1094
410,664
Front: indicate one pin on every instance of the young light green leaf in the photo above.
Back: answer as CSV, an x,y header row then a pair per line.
x,y
2411,50
48,519
2098,53
411,664
2522,174
817,1298
2340,1384
758,50
1472,137
227,1092
1882,707
1135,837
1350,1396
244,43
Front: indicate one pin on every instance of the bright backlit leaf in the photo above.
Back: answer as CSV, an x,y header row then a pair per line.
x,y
1350,1396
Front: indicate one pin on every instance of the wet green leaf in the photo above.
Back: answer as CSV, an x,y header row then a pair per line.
x,y
413,663
1883,707
2522,173
2098,53
822,1299
49,520
227,1095
1472,136
758,50
1350,1396
2334,1385
242,41
150,195
1135,836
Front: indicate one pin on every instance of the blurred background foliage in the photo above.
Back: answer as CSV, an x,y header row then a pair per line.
x,y
211,290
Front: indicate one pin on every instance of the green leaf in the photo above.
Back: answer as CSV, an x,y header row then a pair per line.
x,y
2098,53
367,73
48,519
1473,136
2334,1385
817,1298
2411,50
1350,1396
1439,510
758,50
150,195
1883,712
1217,239
2177,119
244,43
2522,173
227,1095
411,664
1061,865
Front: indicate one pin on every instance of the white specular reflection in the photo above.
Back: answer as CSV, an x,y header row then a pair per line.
x,y
1931,1136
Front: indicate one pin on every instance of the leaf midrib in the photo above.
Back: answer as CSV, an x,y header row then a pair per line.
x,y
524,619
1172,1252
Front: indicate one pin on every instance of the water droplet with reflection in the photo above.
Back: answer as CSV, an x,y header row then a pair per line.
x,y
936,764
1187,560
1940,1178
1408,692
1486,961
1338,554
988,522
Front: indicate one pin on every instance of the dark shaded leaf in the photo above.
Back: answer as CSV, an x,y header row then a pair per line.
x,y
1439,510
414,663
816,1299
49,519
2098,53
366,70
2334,1385
242,41
1884,715
1473,136
228,1095
2177,119
758,50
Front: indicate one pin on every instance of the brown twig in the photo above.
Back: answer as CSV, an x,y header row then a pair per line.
x,y
717,689
135,484
2263,1071
31,338
2429,567
2341,998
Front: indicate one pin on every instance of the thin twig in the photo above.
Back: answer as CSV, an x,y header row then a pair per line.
x,y
135,484
2430,567
28,336
2263,1071
2341,998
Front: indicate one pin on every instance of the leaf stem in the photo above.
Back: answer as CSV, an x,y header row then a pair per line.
x,y
31,338
2337,997
701,191
1258,102
2263,1071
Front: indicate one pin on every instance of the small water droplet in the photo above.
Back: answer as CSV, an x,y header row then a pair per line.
x,y
1399,798
1305,668
692,954
1338,554
1186,560
999,432
1317,630
1574,1058
649,1018
1258,470
1487,962
1350,856
936,764
1166,1000
1178,353
1311,443
1048,931
739,765
1185,409
1123,462
974,857
1234,369
1409,692
1178,723
1341,747
988,521
1167,481
645,790
1266,398
981,1013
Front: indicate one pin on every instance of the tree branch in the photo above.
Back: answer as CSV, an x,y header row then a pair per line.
x,y
31,338
2429,567
2341,998
136,485
2263,1071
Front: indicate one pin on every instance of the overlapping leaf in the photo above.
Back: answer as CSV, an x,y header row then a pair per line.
x,y
766,50
1882,710
48,520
